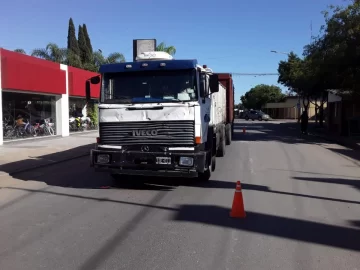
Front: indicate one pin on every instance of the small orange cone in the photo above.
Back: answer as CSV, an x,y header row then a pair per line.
x,y
237,210
244,130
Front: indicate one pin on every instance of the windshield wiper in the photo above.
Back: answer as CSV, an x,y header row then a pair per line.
x,y
176,99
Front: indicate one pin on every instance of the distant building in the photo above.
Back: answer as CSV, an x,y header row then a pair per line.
x,y
343,113
290,108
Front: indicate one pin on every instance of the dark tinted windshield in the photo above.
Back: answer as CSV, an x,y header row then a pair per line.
x,y
149,86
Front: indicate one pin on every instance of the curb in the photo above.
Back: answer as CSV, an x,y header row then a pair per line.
x,y
47,164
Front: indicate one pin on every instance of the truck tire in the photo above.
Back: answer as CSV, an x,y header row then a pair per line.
x,y
228,133
222,146
205,176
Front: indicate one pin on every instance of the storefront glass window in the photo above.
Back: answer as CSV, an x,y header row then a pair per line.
x,y
82,115
28,115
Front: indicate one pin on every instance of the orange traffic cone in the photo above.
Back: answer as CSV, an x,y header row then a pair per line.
x,y
244,130
237,210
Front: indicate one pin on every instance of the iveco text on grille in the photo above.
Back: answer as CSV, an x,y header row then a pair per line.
x,y
144,132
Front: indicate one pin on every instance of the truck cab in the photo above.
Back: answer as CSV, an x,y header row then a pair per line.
x,y
157,116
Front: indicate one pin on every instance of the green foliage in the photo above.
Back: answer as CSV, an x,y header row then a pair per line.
x,y
341,39
85,55
331,60
297,75
74,59
261,94
92,112
72,43
163,48
52,52
100,59
87,38
79,52
20,51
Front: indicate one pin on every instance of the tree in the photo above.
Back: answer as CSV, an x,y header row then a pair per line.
x,y
87,38
85,54
52,52
20,51
295,73
261,94
322,78
73,51
115,57
78,52
73,59
341,37
72,43
163,48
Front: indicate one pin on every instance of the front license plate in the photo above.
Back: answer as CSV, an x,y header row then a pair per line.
x,y
163,160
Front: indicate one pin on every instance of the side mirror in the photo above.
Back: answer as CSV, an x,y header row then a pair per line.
x,y
214,83
202,85
87,91
95,80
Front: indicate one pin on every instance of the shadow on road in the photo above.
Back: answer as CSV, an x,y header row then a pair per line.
x,y
267,189
340,181
31,163
284,227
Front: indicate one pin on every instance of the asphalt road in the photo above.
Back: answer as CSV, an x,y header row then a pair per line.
x,y
301,197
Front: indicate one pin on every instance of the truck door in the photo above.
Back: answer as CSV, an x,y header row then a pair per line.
x,y
205,105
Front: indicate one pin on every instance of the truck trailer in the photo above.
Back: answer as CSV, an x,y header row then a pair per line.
x,y
162,117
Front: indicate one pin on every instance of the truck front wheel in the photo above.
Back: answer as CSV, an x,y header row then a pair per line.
x,y
205,176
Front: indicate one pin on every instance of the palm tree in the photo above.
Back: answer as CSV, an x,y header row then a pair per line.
x,y
52,52
20,51
163,48
115,57
100,59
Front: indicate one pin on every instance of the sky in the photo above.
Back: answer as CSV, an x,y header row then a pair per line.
x,y
227,35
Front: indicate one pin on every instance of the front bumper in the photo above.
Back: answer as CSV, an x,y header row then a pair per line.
x,y
144,163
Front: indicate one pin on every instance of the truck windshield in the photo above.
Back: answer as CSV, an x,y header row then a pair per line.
x,y
149,86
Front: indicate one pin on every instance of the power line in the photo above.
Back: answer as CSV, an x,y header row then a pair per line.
x,y
253,74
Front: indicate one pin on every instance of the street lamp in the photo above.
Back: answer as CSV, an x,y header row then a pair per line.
x,y
279,52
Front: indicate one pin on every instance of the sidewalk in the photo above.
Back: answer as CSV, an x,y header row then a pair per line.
x,y
353,143
24,155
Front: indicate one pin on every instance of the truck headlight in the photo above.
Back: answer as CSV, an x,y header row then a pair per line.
x,y
186,161
103,159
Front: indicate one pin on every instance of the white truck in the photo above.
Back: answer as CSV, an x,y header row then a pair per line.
x,y
160,117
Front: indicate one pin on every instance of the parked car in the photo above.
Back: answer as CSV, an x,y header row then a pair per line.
x,y
256,115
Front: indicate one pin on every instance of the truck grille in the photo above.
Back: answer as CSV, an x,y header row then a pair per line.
x,y
159,132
